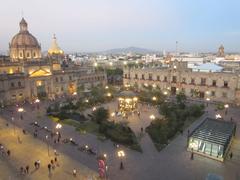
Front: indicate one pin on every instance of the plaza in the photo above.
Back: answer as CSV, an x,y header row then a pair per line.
x,y
173,161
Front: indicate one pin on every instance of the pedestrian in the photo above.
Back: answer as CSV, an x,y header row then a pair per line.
x,y
8,152
52,163
74,172
21,170
121,165
231,155
38,164
27,169
192,156
35,165
188,132
142,129
49,168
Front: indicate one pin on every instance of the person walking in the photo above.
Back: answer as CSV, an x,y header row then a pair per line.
x,y
231,155
52,164
27,169
56,161
49,168
8,152
74,172
35,164
38,164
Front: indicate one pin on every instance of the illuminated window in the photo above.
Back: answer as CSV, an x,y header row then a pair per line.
x,y
39,83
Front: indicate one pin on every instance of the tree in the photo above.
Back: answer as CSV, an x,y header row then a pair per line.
x,y
100,115
181,98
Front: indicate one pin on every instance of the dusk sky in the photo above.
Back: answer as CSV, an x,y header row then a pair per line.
x,y
95,25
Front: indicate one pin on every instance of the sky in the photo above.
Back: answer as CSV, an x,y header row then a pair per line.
x,y
96,25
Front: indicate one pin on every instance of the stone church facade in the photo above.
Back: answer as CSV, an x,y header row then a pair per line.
x,y
26,75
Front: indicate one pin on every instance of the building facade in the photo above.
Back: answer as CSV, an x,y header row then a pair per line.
x,y
26,75
177,77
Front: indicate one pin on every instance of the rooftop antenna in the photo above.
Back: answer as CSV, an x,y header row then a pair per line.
x,y
176,48
22,14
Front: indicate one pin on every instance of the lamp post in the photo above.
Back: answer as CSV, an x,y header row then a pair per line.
x,y
58,126
106,166
121,154
14,132
47,144
207,99
226,106
37,101
20,110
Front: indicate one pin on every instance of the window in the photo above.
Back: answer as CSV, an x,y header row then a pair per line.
x,y
224,94
12,84
225,84
150,76
214,83
143,76
212,93
183,80
28,55
174,79
61,78
158,78
126,76
34,54
165,78
56,79
61,88
19,84
192,81
70,78
20,54
136,76
203,81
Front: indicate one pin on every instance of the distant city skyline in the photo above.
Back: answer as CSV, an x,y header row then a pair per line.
x,y
90,26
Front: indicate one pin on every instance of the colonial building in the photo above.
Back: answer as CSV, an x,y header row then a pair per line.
x,y
26,75
177,77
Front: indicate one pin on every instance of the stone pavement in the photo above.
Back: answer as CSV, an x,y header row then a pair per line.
x,y
30,150
171,163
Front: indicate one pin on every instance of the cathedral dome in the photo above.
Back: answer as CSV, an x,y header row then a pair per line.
x,y
24,40
24,45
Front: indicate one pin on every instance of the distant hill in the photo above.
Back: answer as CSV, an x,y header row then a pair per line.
x,y
128,50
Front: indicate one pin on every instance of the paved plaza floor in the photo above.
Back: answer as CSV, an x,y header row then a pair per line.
x,y
171,163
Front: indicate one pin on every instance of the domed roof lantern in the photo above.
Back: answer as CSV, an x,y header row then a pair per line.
x,y
23,25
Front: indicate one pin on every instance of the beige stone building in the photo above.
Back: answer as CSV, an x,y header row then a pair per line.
x,y
26,75
177,77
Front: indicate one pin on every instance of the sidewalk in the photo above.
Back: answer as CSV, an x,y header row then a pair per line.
x,y
32,149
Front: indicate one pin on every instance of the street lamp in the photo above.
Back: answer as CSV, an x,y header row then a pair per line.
x,y
207,99
154,98
13,125
109,94
226,106
20,110
121,154
47,144
58,126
